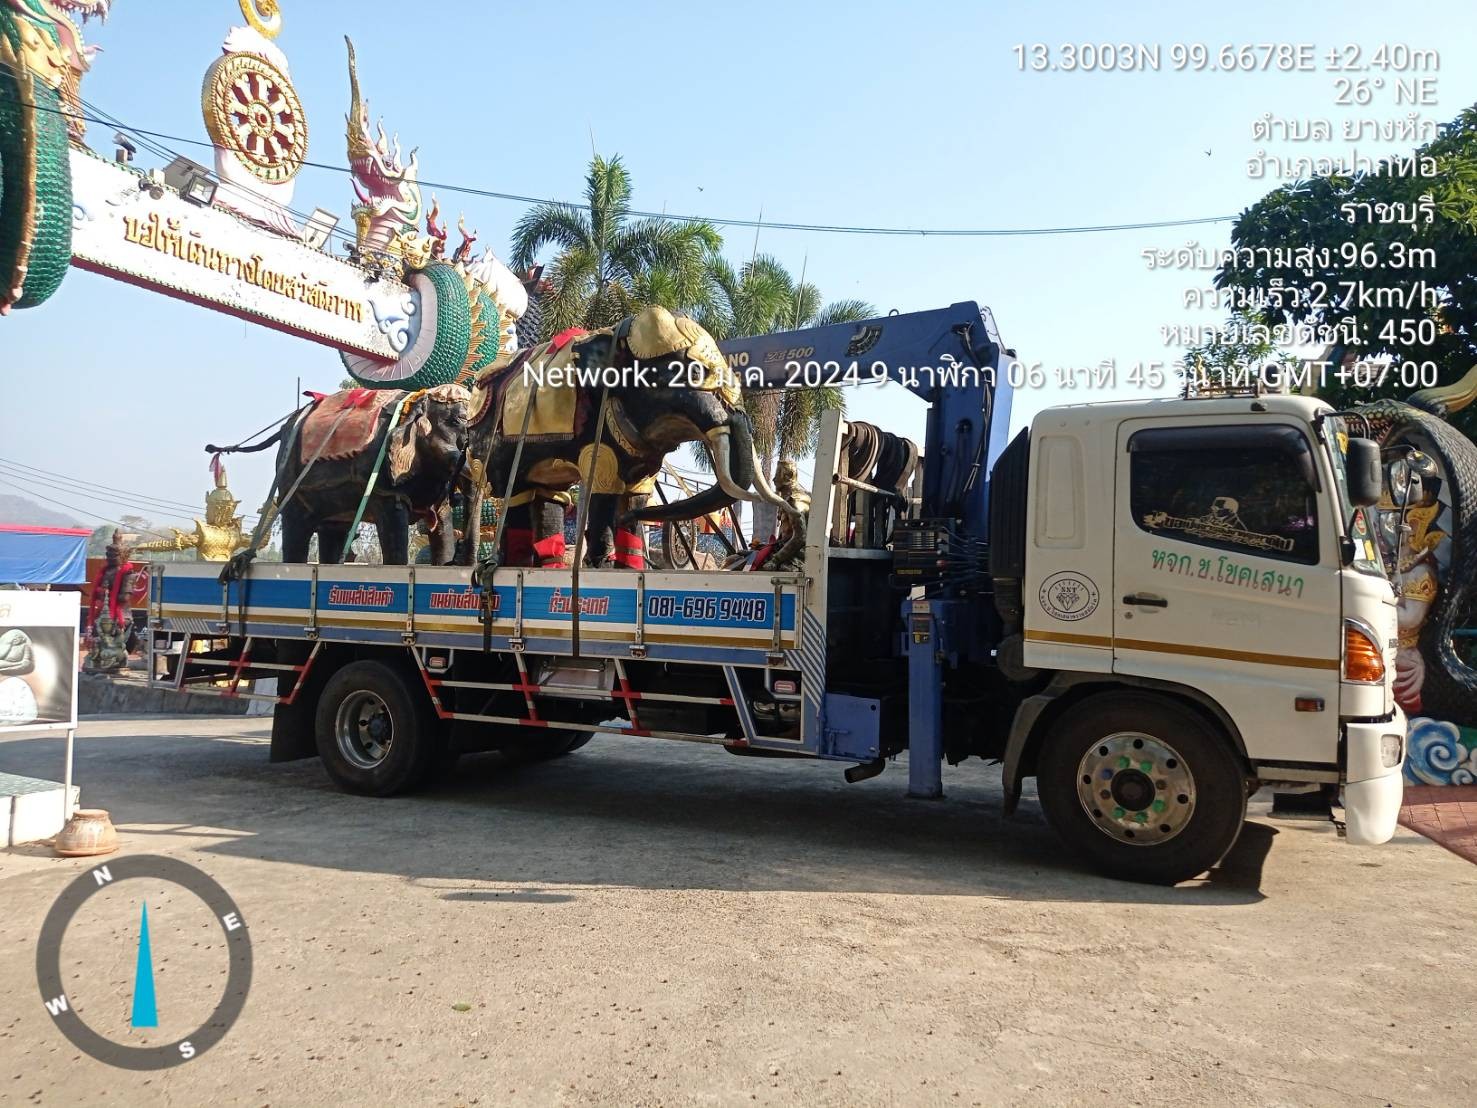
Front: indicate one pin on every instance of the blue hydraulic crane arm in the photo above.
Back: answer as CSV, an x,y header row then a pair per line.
x,y
951,357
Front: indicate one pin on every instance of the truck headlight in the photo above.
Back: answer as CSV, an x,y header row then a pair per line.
x,y
1364,661
1392,749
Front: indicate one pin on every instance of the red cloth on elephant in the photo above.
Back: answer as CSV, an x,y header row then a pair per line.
x,y
550,551
356,431
519,549
517,546
491,388
630,553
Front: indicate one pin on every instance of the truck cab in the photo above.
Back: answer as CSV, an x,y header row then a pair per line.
x,y
1193,570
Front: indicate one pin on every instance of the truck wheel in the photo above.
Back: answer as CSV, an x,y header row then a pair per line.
x,y
542,750
1143,788
376,738
580,739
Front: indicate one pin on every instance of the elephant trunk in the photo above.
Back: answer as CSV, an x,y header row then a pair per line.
x,y
733,468
704,503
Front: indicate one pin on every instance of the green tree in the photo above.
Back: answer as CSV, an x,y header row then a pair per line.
x,y
762,297
750,300
798,422
759,298
610,264
97,543
1439,254
1233,357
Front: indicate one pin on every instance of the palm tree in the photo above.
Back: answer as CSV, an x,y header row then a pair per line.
x,y
748,301
798,420
609,264
759,298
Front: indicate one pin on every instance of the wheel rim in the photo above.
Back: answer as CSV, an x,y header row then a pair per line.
x,y
364,729
1136,788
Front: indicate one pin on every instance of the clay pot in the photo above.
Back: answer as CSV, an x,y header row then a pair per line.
x,y
88,832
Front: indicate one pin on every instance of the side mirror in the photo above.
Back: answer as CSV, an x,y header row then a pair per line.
x,y
1366,482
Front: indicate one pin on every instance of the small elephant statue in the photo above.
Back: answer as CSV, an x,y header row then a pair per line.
x,y
330,449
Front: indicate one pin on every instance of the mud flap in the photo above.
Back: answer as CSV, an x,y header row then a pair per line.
x,y
292,724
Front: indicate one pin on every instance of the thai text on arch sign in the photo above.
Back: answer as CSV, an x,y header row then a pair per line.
x,y
217,260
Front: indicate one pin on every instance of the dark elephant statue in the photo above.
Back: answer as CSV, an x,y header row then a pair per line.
x,y
329,450
664,383
1428,532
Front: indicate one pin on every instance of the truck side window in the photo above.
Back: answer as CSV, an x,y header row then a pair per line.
x,y
1238,496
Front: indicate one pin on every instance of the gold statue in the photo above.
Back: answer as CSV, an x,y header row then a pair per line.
x,y
219,536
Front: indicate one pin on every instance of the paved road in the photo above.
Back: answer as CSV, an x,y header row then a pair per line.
x,y
648,922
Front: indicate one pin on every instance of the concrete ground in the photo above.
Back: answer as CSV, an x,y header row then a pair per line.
x,y
654,923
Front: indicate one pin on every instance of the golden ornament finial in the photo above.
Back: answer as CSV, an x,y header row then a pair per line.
x,y
263,16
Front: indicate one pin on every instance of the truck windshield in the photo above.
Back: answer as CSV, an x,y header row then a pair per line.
x,y
1359,522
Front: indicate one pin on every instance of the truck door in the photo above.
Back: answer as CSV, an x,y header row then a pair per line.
x,y
1226,576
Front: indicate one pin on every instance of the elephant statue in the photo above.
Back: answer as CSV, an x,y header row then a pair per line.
x,y
661,381
1431,489
330,449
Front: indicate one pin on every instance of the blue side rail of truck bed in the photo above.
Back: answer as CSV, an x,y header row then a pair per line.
x,y
726,621
718,618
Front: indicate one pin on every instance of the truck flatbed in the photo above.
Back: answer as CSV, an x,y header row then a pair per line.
x,y
736,619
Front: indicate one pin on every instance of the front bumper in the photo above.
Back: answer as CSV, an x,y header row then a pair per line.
x,y
1372,790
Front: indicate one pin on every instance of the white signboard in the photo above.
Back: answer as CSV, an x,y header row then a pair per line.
x,y
212,258
38,660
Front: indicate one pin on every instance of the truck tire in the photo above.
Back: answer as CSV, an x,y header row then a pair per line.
x,y
544,749
581,738
375,735
1142,787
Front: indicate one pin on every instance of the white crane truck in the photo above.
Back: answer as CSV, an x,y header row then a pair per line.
x,y
1150,607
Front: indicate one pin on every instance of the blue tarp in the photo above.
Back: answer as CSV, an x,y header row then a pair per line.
x,y
43,556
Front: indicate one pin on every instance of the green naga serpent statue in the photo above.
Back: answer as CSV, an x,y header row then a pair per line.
x,y
1429,538
42,60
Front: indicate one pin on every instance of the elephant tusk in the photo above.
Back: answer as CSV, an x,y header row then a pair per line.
x,y
723,465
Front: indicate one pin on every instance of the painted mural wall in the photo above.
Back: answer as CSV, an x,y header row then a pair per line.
x,y
1416,522
1440,753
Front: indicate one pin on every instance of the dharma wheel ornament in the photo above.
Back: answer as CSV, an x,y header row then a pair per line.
x,y
256,122
252,111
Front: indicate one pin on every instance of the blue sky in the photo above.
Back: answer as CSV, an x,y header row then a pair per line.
x,y
857,113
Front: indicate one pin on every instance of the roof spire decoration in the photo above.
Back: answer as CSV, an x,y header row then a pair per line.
x,y
263,17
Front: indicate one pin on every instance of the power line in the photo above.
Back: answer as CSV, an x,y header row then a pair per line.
x,y
79,511
35,473
165,153
90,490
772,225
32,484
102,498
